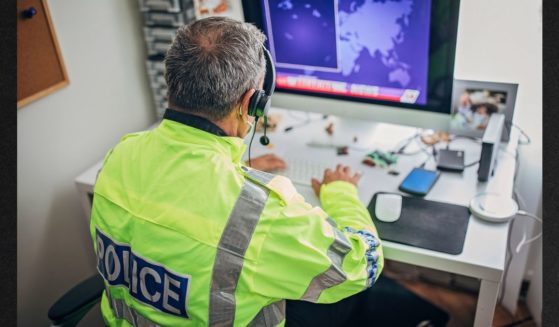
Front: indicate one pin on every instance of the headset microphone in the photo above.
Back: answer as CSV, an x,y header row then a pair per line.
x,y
264,140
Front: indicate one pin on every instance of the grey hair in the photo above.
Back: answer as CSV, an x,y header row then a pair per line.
x,y
211,64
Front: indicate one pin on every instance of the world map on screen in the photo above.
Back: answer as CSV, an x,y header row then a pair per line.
x,y
370,42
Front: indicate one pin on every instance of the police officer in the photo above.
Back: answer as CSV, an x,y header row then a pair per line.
x,y
187,235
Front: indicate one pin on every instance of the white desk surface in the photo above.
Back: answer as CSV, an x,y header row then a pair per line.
x,y
485,245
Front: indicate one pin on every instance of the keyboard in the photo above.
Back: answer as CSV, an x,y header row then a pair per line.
x,y
300,171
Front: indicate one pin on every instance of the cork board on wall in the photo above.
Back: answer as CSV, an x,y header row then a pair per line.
x,y
40,68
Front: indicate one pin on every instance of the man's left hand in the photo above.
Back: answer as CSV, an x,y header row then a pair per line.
x,y
268,162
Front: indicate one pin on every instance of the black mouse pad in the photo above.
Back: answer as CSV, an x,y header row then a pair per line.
x,y
426,224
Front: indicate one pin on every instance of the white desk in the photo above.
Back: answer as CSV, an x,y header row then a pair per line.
x,y
484,251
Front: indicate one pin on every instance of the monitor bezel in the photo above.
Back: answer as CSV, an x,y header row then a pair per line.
x,y
253,14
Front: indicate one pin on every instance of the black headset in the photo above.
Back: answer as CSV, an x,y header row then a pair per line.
x,y
259,103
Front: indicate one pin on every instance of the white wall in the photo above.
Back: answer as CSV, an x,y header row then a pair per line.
x,y
501,40
63,134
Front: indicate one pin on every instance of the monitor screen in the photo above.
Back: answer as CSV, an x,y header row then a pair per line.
x,y
398,53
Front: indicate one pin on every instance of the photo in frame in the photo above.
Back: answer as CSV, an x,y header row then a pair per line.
x,y
207,8
473,103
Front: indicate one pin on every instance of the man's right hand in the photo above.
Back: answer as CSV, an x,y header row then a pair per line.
x,y
342,173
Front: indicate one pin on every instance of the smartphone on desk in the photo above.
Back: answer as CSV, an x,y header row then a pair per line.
x,y
419,181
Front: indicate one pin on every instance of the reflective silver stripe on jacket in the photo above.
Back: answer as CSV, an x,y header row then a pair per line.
x,y
261,176
231,250
122,311
335,274
270,315
332,222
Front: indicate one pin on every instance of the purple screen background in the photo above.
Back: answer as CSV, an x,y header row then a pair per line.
x,y
306,34
311,41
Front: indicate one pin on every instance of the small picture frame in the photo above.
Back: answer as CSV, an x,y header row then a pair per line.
x,y
473,102
207,8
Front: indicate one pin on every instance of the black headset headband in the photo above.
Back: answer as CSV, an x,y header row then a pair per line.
x,y
270,78
259,102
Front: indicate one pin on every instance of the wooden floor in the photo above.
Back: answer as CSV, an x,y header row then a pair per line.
x,y
461,306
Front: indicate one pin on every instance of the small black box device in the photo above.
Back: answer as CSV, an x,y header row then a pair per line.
x,y
451,160
490,147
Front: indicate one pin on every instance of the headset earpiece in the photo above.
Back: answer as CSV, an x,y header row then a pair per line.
x,y
256,104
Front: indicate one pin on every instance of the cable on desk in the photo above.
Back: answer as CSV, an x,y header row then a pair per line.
x,y
456,137
424,149
433,155
302,123
471,164
410,153
407,142
527,140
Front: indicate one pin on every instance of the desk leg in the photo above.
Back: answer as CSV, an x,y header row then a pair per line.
x,y
486,303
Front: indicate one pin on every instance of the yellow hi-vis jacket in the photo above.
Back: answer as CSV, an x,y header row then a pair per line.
x,y
186,235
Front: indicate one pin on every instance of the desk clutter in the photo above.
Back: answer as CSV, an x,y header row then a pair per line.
x,y
447,160
426,224
379,158
161,19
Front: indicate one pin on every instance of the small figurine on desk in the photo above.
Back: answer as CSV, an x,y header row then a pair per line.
x,y
330,129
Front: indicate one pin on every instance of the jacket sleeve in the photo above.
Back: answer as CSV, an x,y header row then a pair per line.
x,y
319,255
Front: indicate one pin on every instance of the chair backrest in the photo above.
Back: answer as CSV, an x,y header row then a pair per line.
x,y
71,307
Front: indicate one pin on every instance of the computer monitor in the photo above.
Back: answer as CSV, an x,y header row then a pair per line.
x,y
362,58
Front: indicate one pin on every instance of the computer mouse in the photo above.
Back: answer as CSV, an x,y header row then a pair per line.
x,y
388,207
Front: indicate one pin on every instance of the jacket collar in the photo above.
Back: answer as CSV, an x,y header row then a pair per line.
x,y
200,131
194,121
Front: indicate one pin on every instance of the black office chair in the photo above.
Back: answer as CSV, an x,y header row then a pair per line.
x,y
71,307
